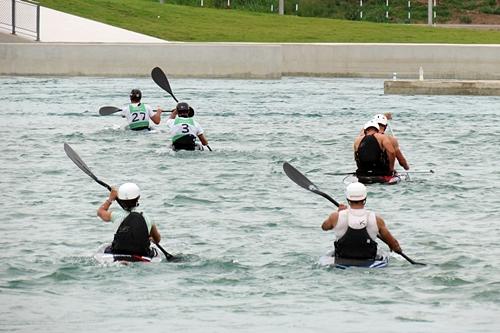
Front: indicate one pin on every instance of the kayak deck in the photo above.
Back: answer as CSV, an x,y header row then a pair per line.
x,y
329,259
197,146
107,258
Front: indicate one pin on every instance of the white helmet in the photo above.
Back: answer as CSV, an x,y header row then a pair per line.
x,y
128,191
380,119
371,123
356,192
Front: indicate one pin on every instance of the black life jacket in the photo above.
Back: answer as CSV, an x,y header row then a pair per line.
x,y
132,236
356,244
186,142
371,160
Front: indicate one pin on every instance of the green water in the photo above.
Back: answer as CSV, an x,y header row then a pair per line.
x,y
248,237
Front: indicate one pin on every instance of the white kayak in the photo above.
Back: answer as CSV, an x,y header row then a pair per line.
x,y
107,258
388,180
382,260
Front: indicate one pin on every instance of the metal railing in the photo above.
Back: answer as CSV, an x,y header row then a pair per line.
x,y
21,17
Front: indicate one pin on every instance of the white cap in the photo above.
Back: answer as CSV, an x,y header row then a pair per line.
x,y
380,119
371,123
356,192
128,191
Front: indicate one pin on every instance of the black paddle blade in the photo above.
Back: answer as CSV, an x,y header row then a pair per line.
x,y
77,160
298,178
301,180
81,164
161,80
107,110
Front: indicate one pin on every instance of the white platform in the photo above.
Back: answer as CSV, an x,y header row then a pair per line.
x,y
56,26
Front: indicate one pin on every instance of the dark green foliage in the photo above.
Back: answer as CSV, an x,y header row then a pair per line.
x,y
465,19
373,10
491,8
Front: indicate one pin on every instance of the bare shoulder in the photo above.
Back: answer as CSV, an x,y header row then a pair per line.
x,y
358,139
380,137
393,139
380,220
394,142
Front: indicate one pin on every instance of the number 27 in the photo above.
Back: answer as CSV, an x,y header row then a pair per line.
x,y
135,116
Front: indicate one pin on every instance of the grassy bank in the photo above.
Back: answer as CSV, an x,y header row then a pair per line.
x,y
185,23
390,11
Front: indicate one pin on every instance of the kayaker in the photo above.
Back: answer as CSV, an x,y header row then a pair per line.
x,y
135,229
138,114
373,152
356,228
184,129
382,120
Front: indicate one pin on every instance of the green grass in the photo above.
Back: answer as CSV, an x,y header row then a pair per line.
x,y
185,23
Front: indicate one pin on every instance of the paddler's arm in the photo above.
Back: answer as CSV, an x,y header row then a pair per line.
x,y
399,154
355,145
402,160
103,210
356,142
389,149
156,118
203,140
386,236
332,219
173,114
155,234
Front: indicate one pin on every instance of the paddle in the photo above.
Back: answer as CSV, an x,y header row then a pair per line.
x,y
161,80
167,255
398,173
339,173
424,171
301,180
81,164
107,110
388,115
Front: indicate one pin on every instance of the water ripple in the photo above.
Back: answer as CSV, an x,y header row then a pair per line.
x,y
246,237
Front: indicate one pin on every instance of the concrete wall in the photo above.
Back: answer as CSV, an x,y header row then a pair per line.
x,y
196,60
439,87
382,60
247,60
